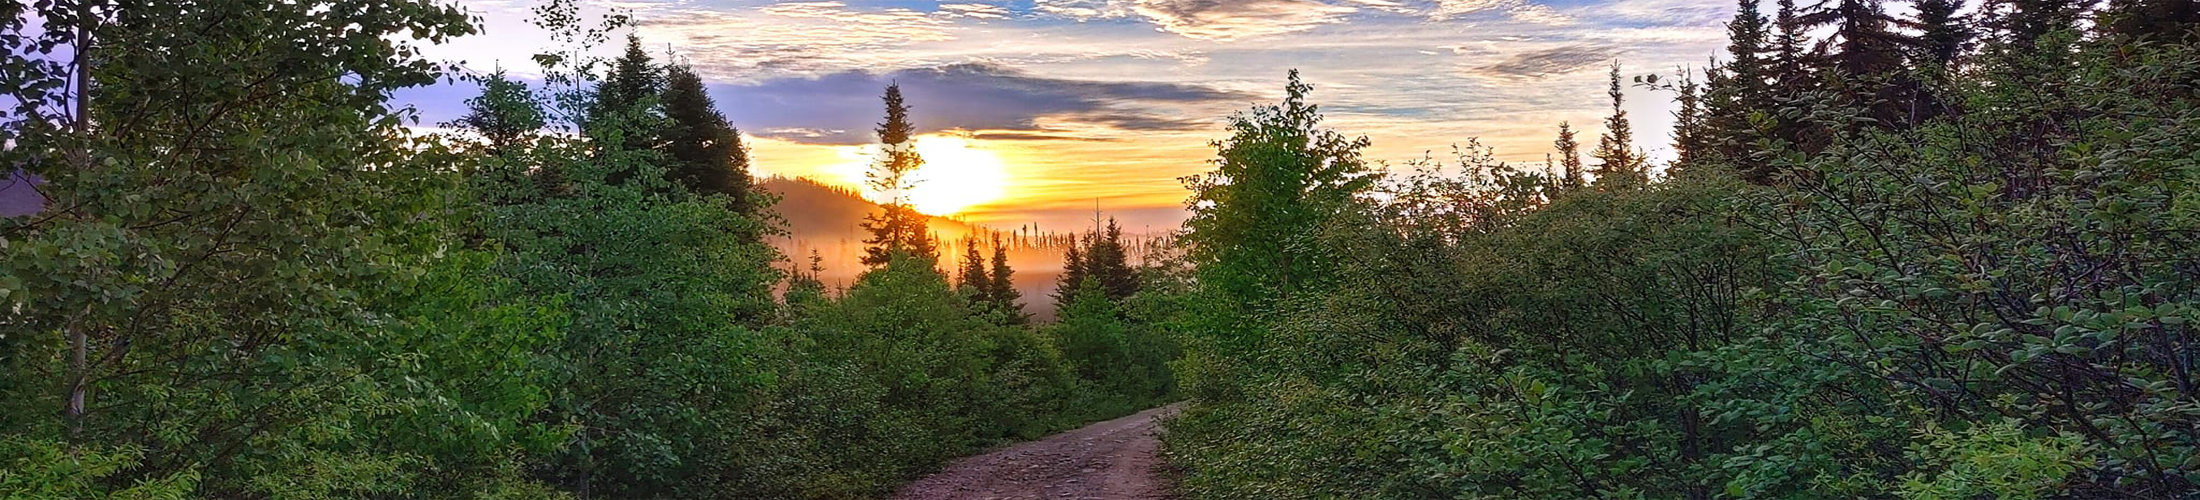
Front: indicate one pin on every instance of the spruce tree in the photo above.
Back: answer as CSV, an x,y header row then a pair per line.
x,y
1864,41
706,152
898,228
1619,165
504,114
634,81
1739,88
1867,57
2158,20
2019,24
1570,172
1002,289
971,279
1108,263
1074,273
623,115
1791,63
1689,141
1942,34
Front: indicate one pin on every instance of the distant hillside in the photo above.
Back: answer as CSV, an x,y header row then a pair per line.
x,y
827,218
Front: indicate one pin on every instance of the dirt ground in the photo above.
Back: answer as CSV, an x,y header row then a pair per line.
x,y
1113,460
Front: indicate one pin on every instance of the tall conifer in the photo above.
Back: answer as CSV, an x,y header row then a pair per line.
x,y
634,80
1073,274
1619,164
707,153
971,279
1002,289
504,114
898,228
1570,172
1108,262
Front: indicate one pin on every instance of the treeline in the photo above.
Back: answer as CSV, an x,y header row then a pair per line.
x,y
1940,257
253,281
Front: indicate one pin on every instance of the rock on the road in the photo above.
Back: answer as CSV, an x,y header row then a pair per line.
x,y
1113,460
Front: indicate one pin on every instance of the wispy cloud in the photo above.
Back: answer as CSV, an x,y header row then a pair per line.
x,y
1544,63
796,36
1517,9
1234,19
973,11
1003,102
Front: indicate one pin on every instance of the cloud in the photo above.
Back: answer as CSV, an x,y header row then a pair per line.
x,y
1541,63
1038,136
799,36
1689,13
1519,9
1226,20
973,11
1082,10
839,108
1232,20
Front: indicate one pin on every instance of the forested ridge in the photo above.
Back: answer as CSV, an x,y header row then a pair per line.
x,y
1946,254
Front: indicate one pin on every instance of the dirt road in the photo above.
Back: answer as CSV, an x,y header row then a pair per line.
x,y
1112,460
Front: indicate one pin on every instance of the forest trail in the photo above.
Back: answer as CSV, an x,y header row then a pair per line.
x,y
1113,460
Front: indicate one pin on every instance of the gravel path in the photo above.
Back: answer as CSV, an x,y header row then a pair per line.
x,y
1112,460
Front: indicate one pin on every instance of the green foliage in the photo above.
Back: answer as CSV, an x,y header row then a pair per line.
x,y
1120,361
1278,175
1996,460
1984,304
42,470
504,114
706,153
273,290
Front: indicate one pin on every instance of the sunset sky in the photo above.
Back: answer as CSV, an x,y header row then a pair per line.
x,y
1040,110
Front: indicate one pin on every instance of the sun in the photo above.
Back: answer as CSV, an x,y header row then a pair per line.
x,y
958,173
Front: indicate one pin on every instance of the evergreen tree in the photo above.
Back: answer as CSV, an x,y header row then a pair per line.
x,y
706,153
1108,263
1942,36
1791,62
622,116
633,82
1746,38
2019,24
1740,88
1075,271
1690,141
2159,20
1619,165
1570,171
504,114
1002,289
898,228
971,280
1863,42
1866,55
